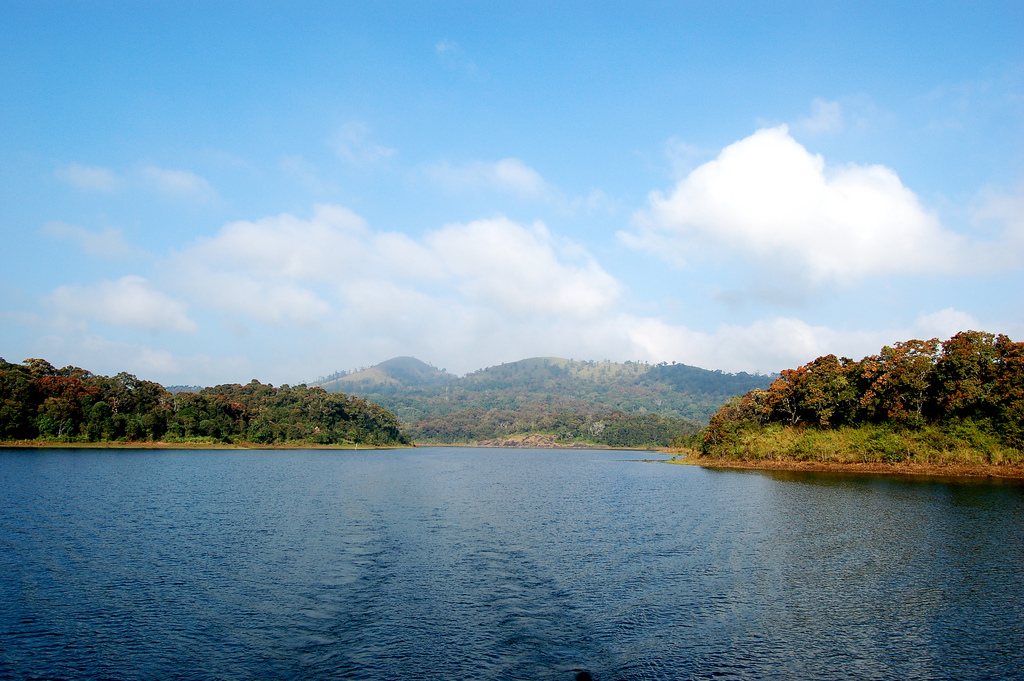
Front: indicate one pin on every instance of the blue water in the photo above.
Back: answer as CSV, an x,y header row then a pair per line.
x,y
490,564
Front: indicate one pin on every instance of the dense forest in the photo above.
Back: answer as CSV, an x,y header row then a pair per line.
x,y
612,428
39,401
630,404
415,390
917,400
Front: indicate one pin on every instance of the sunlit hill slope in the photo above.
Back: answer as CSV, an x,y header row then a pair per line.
x,y
602,402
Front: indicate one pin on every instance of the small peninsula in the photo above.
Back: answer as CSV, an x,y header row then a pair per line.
x,y
921,406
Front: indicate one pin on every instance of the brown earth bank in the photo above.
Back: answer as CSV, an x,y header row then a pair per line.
x,y
873,468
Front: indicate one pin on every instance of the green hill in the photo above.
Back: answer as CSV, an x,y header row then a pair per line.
x,y
397,373
611,403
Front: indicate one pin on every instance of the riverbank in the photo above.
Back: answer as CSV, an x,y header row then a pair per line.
x,y
948,470
160,444
515,442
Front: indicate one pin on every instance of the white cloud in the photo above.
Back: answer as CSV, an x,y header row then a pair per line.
x,y
285,269
257,268
109,243
270,302
93,178
178,184
773,344
520,271
352,144
944,324
508,175
130,301
289,248
770,345
825,117
771,201
108,357
462,296
513,177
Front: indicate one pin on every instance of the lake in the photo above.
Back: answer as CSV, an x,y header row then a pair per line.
x,y
459,563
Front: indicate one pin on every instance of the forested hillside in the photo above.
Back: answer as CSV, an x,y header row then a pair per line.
x,y
608,403
917,400
39,401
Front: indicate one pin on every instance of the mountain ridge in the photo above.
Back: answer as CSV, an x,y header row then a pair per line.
x,y
571,398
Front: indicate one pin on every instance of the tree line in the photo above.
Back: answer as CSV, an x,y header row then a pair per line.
x,y
974,378
610,428
544,390
39,401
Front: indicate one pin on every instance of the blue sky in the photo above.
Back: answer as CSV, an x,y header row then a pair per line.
x,y
213,192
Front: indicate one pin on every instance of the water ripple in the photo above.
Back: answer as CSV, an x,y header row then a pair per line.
x,y
476,564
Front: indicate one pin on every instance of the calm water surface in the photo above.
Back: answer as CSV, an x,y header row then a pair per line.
x,y
488,564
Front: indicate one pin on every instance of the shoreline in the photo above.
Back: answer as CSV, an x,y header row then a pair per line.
x,y
955,470
159,444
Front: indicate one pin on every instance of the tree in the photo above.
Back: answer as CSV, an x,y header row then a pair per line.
x,y
897,382
1008,389
965,373
63,402
17,402
829,396
785,396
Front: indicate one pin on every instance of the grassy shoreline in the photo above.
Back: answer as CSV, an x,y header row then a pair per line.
x,y
951,470
962,449
947,466
965,443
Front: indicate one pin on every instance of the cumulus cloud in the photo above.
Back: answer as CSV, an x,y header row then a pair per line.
x,y
257,268
778,343
770,345
285,269
287,247
352,144
464,296
769,200
508,175
944,324
178,184
92,178
130,301
108,243
519,270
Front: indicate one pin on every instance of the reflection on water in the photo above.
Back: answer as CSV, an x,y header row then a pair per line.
x,y
488,564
